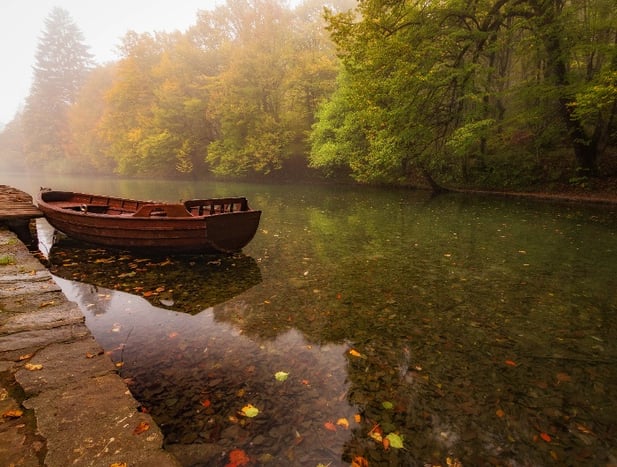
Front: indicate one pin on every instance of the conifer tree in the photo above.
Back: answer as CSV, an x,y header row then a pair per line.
x,y
62,62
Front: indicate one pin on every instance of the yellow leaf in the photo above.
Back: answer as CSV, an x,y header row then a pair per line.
x,y
33,366
395,440
343,422
354,353
118,464
249,410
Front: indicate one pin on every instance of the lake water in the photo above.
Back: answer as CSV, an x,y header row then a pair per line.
x,y
366,325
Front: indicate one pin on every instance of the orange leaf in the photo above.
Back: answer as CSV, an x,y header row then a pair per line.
x,y
15,413
206,403
546,437
500,413
510,363
329,426
357,418
143,426
386,443
359,461
354,353
238,457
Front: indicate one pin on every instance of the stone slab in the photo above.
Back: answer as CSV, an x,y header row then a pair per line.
x,y
97,424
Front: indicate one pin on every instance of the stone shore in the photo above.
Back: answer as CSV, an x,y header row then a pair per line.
x,y
61,400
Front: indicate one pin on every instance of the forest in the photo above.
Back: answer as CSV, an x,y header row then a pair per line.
x,y
461,93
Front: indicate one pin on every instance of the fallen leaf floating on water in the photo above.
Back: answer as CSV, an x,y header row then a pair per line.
x,y
143,426
395,440
249,410
237,458
15,413
33,366
281,376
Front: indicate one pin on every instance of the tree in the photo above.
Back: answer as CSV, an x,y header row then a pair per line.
x,y
62,63
449,88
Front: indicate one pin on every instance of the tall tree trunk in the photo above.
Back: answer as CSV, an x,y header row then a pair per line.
x,y
585,147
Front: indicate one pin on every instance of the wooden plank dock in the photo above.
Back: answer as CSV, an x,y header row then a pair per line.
x,y
16,212
16,205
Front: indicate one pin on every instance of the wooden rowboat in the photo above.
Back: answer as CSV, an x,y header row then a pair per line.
x,y
195,226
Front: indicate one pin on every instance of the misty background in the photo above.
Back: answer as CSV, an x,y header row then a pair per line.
x,y
103,25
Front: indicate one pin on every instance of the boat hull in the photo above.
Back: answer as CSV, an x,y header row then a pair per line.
x,y
155,227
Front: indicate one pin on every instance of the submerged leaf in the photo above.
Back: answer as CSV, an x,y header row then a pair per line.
x,y
249,410
329,426
546,437
237,458
343,422
359,461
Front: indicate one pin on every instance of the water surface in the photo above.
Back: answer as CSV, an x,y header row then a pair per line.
x,y
472,330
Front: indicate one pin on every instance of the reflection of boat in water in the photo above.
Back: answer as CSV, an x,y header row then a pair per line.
x,y
188,283
198,225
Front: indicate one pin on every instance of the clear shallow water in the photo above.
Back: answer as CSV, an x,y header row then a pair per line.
x,y
477,330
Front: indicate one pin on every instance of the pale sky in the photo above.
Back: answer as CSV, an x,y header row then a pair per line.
x,y
102,22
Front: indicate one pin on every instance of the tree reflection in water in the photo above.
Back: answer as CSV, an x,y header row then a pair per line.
x,y
479,331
